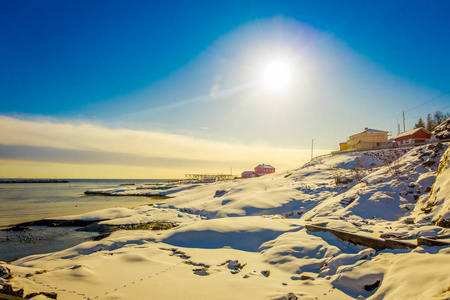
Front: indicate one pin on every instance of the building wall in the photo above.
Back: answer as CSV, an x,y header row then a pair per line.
x,y
421,135
343,146
259,170
367,140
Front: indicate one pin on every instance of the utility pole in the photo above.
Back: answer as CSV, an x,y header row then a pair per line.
x,y
312,148
404,122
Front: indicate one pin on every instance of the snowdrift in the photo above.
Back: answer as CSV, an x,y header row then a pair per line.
x,y
250,240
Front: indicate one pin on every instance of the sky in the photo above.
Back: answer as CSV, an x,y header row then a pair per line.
x,y
158,89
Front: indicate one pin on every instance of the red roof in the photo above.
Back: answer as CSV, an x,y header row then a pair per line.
x,y
418,133
263,166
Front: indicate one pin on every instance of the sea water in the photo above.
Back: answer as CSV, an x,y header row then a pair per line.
x,y
24,202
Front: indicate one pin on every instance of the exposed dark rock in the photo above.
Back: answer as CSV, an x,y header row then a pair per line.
x,y
373,286
190,262
409,221
220,193
235,266
356,239
6,289
429,163
438,147
106,228
50,295
426,209
101,236
347,201
201,272
343,180
20,228
53,223
428,153
5,273
442,222
431,242
29,296
427,189
178,253
18,293
291,296
159,195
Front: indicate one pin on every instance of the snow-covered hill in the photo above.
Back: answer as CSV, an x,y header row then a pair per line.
x,y
247,238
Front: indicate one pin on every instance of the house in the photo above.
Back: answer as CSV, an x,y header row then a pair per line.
x,y
412,137
263,169
249,174
260,170
343,146
368,139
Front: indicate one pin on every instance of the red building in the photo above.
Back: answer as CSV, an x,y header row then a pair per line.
x,y
412,137
260,170
263,169
249,174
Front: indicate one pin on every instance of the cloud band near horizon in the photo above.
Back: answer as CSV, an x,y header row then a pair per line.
x,y
160,155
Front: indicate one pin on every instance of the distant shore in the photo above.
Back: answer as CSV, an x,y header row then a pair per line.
x,y
34,181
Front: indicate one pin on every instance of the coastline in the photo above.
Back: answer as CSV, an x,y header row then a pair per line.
x,y
253,239
34,181
25,202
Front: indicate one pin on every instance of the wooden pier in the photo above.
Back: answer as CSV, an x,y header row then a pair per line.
x,y
211,177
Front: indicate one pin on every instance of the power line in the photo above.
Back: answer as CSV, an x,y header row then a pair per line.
x,y
428,113
402,115
428,101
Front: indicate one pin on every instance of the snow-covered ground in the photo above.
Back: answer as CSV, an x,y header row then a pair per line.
x,y
246,239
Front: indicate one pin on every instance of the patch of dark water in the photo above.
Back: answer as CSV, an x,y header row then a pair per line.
x,y
40,240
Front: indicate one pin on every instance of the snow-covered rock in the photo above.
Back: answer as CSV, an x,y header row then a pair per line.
x,y
260,223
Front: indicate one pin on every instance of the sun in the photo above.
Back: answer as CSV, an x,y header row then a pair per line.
x,y
277,75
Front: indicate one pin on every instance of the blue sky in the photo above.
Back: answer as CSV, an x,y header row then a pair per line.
x,y
188,68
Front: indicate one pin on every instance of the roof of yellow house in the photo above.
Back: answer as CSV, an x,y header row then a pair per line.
x,y
368,130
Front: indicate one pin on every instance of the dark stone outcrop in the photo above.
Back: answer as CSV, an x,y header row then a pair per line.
x,y
53,223
374,243
429,163
427,241
442,222
9,291
371,287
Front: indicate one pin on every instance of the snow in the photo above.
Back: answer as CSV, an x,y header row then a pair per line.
x,y
250,241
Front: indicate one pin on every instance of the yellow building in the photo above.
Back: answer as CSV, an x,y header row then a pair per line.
x,y
368,139
343,146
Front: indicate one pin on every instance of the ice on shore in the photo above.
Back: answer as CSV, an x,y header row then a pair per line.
x,y
250,242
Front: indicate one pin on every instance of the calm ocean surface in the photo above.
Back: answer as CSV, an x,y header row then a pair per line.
x,y
22,202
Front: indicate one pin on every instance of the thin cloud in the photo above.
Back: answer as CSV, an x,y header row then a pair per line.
x,y
85,143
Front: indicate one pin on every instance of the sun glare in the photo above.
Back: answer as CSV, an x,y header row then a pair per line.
x,y
277,76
